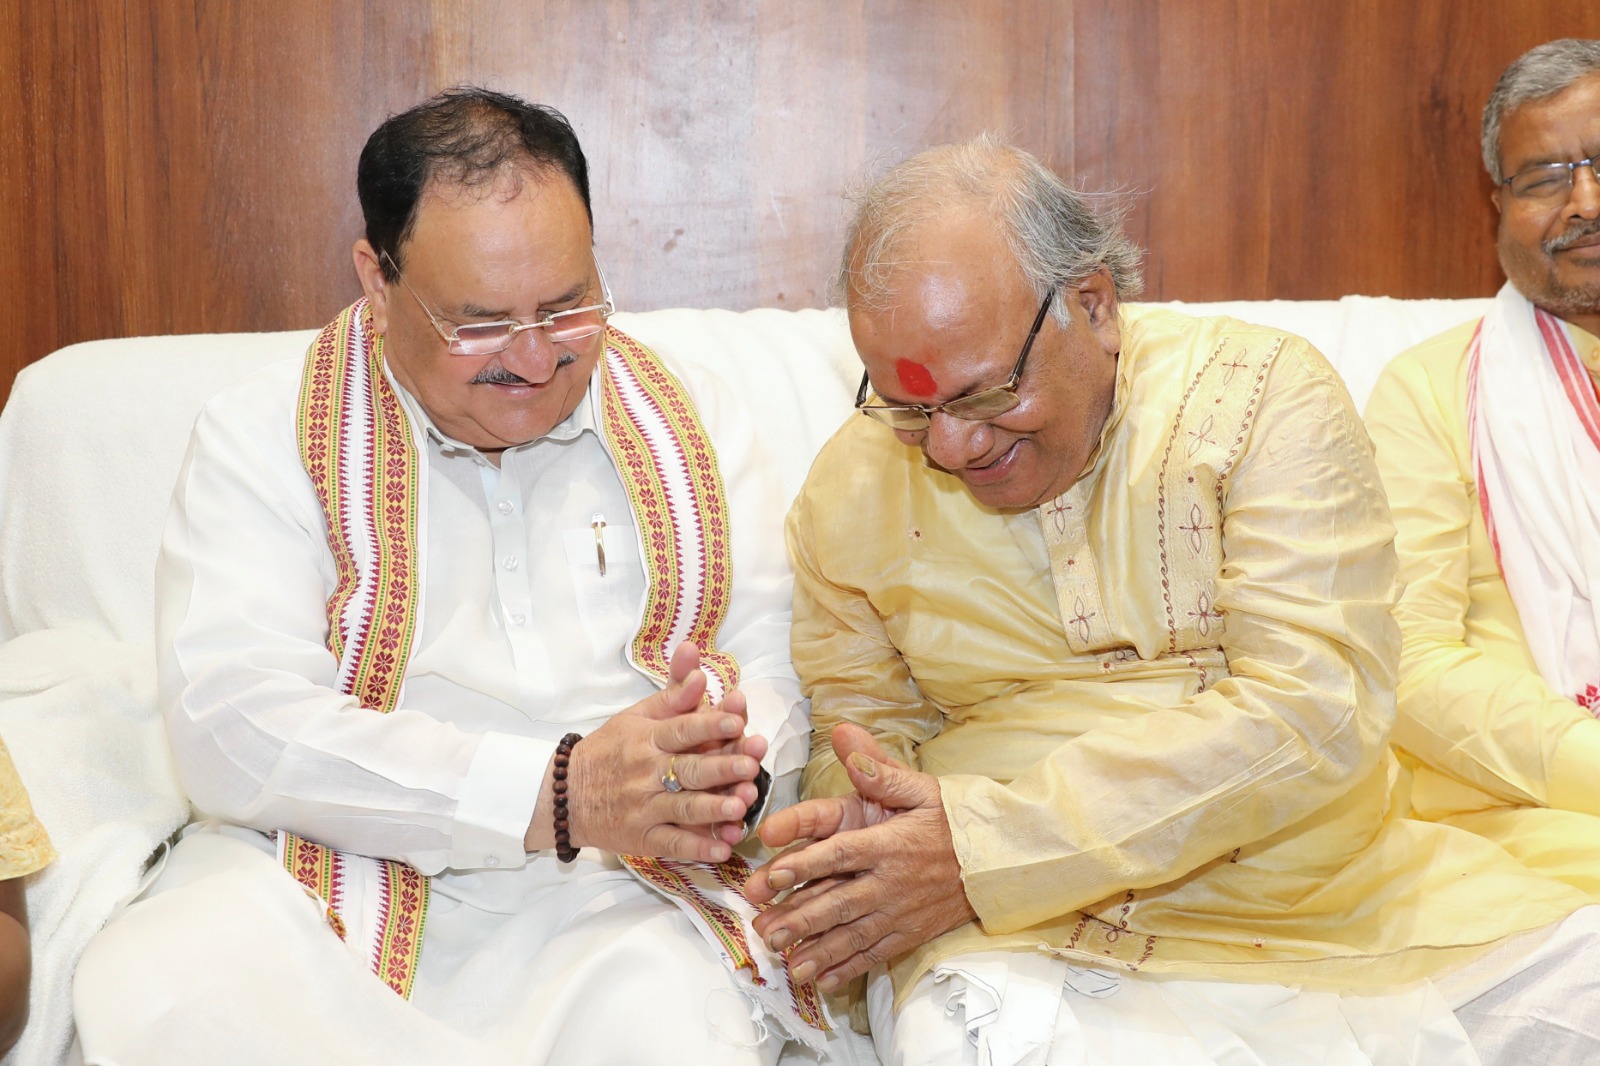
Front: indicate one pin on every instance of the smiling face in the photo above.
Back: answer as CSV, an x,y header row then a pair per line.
x,y
482,255
1551,252
954,324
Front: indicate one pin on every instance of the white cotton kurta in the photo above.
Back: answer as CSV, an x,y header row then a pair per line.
x,y
521,640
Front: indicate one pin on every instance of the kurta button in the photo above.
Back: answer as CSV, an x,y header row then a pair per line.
x,y
510,563
518,619
490,860
504,506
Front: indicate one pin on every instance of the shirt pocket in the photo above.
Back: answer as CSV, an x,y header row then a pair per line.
x,y
608,604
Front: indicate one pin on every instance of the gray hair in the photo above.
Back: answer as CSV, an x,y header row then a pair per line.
x,y
1056,236
1537,74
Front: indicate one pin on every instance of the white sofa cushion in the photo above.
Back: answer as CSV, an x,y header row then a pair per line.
x,y
90,445
93,435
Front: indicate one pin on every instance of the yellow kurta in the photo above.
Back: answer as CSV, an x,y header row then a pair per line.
x,y
1160,705
1493,748
24,845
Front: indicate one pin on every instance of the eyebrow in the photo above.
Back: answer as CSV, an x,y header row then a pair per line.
x,y
472,310
1545,161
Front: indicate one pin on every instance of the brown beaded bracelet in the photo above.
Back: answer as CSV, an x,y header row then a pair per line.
x,y
564,849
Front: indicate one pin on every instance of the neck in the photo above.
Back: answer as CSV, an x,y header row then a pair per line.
x,y
1588,321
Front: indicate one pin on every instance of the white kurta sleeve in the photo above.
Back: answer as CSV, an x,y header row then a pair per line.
x,y
261,736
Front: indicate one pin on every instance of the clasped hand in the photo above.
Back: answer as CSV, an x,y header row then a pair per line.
x,y
619,796
877,869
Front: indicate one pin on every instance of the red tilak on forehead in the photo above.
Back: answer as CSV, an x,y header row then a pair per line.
x,y
915,378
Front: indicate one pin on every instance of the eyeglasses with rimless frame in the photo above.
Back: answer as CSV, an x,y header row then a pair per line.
x,y
1548,184
975,407
487,338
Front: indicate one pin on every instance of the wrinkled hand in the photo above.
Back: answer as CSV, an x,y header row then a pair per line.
x,y
617,800
685,660
820,818
878,876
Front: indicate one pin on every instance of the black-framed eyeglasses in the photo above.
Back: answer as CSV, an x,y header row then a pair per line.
x,y
487,338
975,407
1549,183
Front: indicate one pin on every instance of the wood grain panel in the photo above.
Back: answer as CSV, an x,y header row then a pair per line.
x,y
185,165
1298,149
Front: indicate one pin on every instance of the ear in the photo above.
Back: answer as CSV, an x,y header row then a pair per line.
x,y
1097,295
370,273
1494,198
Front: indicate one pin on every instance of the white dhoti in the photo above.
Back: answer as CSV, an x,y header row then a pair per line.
x,y
1535,999
226,959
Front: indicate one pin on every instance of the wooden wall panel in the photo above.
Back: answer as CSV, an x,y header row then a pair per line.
x,y
188,165
177,166
1303,149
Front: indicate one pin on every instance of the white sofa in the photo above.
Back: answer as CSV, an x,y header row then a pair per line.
x,y
90,444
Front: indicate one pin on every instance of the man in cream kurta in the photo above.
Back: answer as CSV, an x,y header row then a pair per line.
x,y
24,849
1496,420
1126,614
536,940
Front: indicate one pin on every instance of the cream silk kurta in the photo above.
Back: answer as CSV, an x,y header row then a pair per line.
x,y
24,844
1493,747
1159,706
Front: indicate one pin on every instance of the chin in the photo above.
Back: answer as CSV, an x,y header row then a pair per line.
x,y
1008,496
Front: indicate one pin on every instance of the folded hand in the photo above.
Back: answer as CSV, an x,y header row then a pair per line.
x,y
622,775
878,875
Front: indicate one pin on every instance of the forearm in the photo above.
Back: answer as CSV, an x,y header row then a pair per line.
x,y
1143,804
1493,724
401,785
261,733
1574,769
16,963
262,739
16,968
1302,715
852,670
1474,708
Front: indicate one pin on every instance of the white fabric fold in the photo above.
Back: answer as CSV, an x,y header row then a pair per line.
x,y
1009,1001
1535,431
78,712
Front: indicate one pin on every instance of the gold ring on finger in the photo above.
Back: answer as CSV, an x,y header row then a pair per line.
x,y
669,780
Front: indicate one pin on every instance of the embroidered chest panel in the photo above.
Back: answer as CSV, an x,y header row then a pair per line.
x,y
1178,532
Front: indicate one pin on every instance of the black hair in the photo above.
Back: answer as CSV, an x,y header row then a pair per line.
x,y
465,137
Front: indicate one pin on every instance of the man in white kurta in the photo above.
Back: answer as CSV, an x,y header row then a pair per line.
x,y
532,583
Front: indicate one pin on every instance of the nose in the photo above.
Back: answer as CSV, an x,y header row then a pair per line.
x,y
1585,199
954,442
531,356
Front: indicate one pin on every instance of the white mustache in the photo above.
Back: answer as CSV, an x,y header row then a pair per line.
x,y
499,375
1572,236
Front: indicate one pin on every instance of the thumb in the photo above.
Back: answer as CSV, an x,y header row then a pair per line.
x,y
849,737
890,785
684,695
679,697
685,658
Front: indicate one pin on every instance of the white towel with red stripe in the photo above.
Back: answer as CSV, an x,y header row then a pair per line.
x,y
1535,430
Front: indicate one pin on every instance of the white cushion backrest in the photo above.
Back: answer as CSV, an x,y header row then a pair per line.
x,y
90,444
1358,334
93,435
